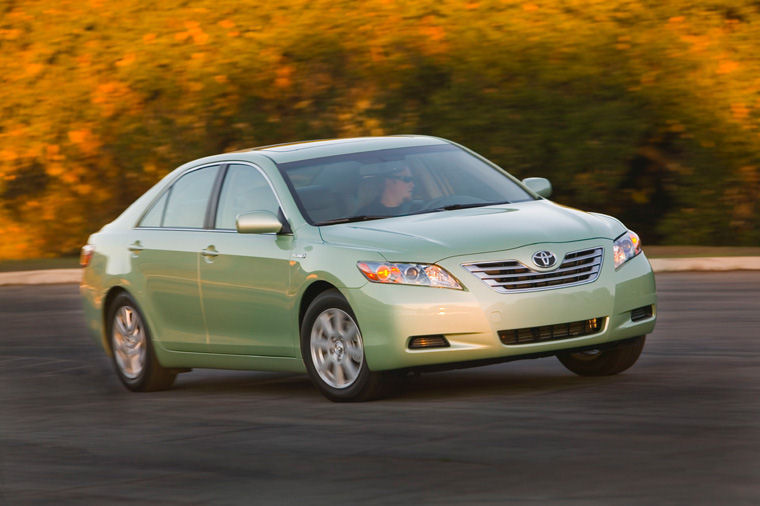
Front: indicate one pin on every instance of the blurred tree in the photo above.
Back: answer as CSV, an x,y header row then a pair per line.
x,y
649,111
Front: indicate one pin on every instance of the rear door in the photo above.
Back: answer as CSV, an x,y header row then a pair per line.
x,y
166,249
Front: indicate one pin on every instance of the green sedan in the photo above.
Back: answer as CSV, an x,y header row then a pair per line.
x,y
357,261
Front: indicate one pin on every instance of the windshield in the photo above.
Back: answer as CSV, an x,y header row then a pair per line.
x,y
396,182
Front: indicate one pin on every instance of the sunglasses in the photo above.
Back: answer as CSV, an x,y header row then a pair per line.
x,y
406,179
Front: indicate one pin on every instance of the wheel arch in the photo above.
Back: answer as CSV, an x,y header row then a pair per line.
x,y
311,293
112,293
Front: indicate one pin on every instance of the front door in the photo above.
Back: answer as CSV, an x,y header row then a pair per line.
x,y
245,278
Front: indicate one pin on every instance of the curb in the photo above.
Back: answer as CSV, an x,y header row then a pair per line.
x,y
43,277
712,264
707,264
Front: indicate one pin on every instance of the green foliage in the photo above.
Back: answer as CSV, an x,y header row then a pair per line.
x,y
644,110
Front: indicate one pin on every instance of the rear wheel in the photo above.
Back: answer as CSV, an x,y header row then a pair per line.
x,y
604,362
333,350
132,350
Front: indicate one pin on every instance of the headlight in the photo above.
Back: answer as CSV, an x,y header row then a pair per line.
x,y
408,274
626,247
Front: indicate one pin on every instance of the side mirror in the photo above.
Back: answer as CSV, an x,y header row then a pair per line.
x,y
258,222
540,185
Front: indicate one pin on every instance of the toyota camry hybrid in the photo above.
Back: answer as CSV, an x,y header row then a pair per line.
x,y
356,261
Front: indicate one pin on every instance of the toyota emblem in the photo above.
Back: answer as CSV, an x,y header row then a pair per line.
x,y
544,259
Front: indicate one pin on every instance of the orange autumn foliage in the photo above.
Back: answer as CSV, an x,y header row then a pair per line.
x,y
649,112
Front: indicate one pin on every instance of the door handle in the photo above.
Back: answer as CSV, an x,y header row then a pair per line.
x,y
135,247
209,252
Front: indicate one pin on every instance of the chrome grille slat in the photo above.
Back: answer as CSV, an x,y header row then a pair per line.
x,y
593,254
545,280
516,265
535,274
509,276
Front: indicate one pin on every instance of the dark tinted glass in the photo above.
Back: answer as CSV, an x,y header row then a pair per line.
x,y
153,217
397,182
189,198
245,189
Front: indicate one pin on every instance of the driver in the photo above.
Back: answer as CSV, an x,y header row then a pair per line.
x,y
397,189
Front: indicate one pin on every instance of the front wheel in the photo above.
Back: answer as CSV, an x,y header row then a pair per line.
x,y
333,350
604,362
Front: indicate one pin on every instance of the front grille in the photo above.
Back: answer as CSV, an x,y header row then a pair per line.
x,y
510,276
641,313
552,332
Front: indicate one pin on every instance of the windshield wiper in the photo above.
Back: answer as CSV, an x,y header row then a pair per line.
x,y
351,219
367,217
453,207
460,206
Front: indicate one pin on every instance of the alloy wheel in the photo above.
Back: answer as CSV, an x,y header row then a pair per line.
x,y
129,342
337,350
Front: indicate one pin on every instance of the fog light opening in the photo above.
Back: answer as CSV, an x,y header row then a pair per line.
x,y
641,313
423,342
593,325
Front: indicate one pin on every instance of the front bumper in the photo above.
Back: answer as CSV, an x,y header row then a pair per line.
x,y
470,319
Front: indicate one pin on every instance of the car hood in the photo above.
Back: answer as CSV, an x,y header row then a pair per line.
x,y
431,237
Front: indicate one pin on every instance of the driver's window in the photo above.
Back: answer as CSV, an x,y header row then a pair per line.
x,y
245,189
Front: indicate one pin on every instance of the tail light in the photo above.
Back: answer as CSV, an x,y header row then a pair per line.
x,y
86,255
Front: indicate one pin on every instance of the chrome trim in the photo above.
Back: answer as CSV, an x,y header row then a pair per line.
x,y
544,259
176,229
538,274
205,230
199,167
168,188
269,182
585,257
518,271
475,270
593,270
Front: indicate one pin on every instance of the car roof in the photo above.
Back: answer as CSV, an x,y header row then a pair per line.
x,y
297,151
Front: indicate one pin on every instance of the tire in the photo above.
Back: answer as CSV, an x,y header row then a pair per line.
x,y
333,351
604,362
132,351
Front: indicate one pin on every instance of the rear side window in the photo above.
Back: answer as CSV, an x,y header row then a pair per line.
x,y
188,199
244,190
154,217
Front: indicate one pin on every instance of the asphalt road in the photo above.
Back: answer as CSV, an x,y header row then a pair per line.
x,y
681,427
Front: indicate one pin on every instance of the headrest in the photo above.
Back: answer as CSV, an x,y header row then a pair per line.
x,y
382,169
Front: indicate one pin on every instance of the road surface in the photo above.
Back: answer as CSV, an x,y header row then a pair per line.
x,y
681,427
